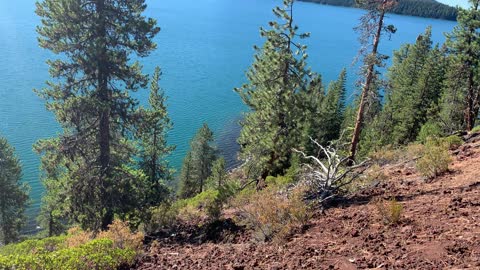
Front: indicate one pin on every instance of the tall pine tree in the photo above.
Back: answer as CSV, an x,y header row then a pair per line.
x,y
90,96
197,166
152,128
415,81
272,126
463,79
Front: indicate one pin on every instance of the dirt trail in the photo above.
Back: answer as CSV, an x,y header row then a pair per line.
x,y
439,229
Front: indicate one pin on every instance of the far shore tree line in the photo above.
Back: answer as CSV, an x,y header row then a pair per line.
x,y
110,159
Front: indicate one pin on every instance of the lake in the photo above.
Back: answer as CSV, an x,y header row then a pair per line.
x,y
204,49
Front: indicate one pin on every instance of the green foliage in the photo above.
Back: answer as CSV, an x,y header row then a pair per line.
x,y
421,8
152,128
429,130
219,174
475,129
324,111
111,249
461,99
13,194
290,176
415,77
164,215
93,78
197,165
96,254
453,142
435,159
275,95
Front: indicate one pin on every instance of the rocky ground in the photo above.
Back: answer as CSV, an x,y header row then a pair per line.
x,y
439,229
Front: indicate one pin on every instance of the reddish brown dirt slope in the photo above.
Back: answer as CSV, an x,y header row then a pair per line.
x,y
439,229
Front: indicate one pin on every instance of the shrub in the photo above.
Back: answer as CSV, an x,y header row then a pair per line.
x,y
194,209
415,150
163,216
453,142
435,159
225,192
385,155
272,216
121,235
112,249
429,130
77,237
96,254
390,211
372,175
475,129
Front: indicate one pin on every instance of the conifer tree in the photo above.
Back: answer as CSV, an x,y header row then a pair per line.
x,y
464,44
219,174
371,28
415,82
188,186
273,125
333,108
152,128
13,194
197,166
90,96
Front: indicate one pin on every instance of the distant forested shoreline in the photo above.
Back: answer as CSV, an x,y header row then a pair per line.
x,y
420,8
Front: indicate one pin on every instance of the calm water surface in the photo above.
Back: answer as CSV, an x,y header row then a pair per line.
x,y
204,49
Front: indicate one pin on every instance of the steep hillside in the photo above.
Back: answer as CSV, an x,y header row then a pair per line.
x,y
420,8
439,228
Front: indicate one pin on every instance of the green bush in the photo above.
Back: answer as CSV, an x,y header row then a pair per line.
x,y
96,254
114,248
475,129
429,130
453,142
435,159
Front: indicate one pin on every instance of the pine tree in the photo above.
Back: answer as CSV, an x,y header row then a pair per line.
x,y
152,128
197,166
188,186
13,194
219,174
371,29
464,44
333,108
90,96
415,80
272,127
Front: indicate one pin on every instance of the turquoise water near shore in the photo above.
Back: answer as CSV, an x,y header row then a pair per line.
x,y
204,49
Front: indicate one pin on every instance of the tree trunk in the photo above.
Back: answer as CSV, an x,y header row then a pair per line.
x,y
104,114
366,90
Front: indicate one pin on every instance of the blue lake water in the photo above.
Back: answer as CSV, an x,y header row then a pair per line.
x,y
204,49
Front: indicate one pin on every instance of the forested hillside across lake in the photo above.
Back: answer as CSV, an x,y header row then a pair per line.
x,y
420,8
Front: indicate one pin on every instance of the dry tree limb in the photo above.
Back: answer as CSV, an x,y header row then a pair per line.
x,y
328,172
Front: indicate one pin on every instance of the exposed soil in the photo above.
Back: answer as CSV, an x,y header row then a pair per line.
x,y
439,229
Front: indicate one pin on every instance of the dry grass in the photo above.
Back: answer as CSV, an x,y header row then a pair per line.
x,y
271,215
390,211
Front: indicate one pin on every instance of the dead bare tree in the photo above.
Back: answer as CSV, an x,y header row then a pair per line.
x,y
328,172
371,28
